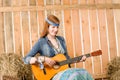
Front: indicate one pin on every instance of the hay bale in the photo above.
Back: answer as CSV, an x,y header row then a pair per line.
x,y
114,69
12,65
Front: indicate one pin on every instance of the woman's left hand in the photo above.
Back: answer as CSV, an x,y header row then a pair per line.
x,y
83,59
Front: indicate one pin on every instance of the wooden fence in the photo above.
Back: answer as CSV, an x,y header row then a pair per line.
x,y
87,25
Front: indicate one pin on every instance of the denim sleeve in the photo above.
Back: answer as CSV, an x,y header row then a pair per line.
x,y
35,49
66,52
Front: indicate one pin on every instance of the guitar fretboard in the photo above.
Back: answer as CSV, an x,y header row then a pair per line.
x,y
72,60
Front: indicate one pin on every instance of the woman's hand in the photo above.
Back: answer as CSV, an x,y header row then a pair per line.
x,y
33,60
50,62
83,59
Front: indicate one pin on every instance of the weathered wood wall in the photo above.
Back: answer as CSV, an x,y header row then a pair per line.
x,y
87,25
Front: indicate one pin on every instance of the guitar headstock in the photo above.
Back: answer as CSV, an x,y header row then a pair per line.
x,y
96,53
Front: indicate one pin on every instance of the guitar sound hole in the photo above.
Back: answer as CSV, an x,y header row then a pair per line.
x,y
56,66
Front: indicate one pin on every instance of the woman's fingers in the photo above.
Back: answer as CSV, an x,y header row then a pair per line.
x,y
83,58
50,61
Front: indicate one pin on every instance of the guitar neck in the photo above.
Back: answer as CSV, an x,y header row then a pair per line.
x,y
72,60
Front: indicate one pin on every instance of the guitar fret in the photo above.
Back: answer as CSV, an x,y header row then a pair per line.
x,y
72,60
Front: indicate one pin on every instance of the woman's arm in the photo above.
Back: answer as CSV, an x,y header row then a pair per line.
x,y
29,58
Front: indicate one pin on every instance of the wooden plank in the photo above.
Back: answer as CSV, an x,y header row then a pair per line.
x,y
41,17
34,27
94,37
49,2
25,29
58,13
116,1
32,2
1,2
76,32
2,44
58,7
68,30
95,40
111,32
8,28
40,2
33,24
24,3
17,29
103,37
7,3
15,3
25,32
117,23
117,26
86,37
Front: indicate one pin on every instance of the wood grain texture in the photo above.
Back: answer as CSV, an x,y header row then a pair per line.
x,y
76,33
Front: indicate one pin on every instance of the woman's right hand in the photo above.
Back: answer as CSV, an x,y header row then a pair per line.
x,y
33,60
50,62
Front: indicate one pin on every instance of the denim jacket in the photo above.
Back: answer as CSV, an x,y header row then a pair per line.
x,y
44,48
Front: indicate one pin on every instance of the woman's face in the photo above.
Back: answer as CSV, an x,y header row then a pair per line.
x,y
53,30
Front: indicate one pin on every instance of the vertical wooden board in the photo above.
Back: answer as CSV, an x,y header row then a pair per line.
x,y
8,32
8,28
100,1
41,20
32,2
1,30
25,32
40,2
103,36
117,21
95,40
76,33
17,32
117,15
33,23
68,30
49,2
94,37
111,34
86,36
41,17
15,2
34,27
24,2
1,2
2,45
6,2
91,1
25,28
103,39
17,29
116,1
58,13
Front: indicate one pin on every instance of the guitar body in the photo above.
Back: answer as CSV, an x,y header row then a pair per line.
x,y
50,72
61,59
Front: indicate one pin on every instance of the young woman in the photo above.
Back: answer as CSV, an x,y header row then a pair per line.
x,y
50,45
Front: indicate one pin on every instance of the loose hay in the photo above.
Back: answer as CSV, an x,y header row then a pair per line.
x,y
114,69
12,65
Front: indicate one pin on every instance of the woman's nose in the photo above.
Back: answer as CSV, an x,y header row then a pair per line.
x,y
56,28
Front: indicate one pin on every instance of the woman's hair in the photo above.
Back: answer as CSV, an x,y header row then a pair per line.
x,y
52,19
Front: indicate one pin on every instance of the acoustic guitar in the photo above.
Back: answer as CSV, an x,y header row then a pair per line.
x,y
60,65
